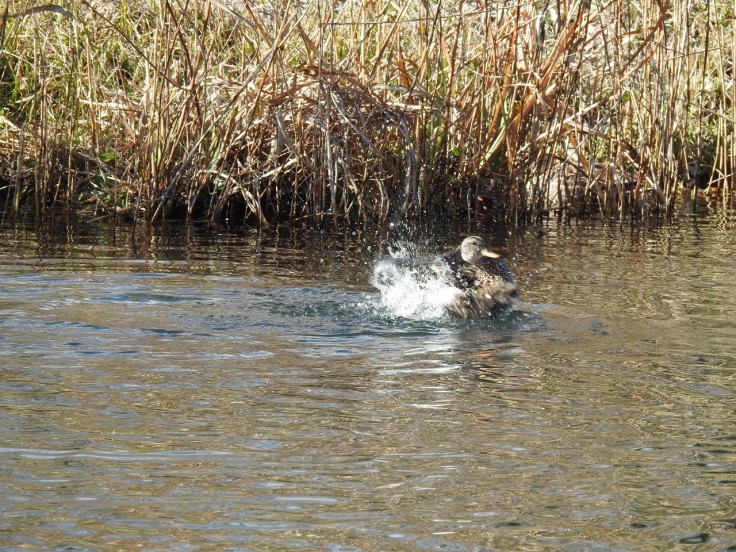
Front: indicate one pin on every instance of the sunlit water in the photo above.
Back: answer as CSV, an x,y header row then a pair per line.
x,y
188,390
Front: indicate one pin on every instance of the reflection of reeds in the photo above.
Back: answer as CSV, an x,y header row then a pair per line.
x,y
360,108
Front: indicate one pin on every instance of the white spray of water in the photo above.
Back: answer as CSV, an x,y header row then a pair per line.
x,y
411,289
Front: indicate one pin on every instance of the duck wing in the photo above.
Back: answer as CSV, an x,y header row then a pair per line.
x,y
497,268
466,276
481,294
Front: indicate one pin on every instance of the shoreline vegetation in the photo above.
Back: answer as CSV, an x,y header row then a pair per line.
x,y
358,110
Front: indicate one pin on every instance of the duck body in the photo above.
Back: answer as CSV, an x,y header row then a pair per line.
x,y
486,286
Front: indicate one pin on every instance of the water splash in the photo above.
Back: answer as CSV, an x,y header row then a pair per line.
x,y
409,285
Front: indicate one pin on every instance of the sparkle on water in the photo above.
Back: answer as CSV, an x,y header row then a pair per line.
x,y
198,390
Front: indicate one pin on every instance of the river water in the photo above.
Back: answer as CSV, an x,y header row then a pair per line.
x,y
183,389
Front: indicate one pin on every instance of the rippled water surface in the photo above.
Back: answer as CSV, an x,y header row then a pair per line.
x,y
180,389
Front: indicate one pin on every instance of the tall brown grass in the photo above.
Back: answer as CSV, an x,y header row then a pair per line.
x,y
356,109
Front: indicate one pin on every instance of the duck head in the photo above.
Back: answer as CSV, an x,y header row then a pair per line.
x,y
474,248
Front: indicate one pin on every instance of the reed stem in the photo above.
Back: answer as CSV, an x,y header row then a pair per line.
x,y
355,110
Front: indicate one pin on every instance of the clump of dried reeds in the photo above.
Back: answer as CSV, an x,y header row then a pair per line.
x,y
357,109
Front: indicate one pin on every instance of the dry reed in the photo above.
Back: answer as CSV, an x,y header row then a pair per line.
x,y
358,109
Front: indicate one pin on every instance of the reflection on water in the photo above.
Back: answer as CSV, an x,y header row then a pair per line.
x,y
203,390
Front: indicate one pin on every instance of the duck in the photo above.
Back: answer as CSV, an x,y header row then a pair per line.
x,y
486,287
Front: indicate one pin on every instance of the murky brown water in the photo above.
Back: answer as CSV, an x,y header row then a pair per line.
x,y
188,390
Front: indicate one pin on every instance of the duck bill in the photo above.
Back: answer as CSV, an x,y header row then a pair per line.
x,y
489,253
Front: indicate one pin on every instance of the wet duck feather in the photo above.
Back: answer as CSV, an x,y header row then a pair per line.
x,y
486,285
